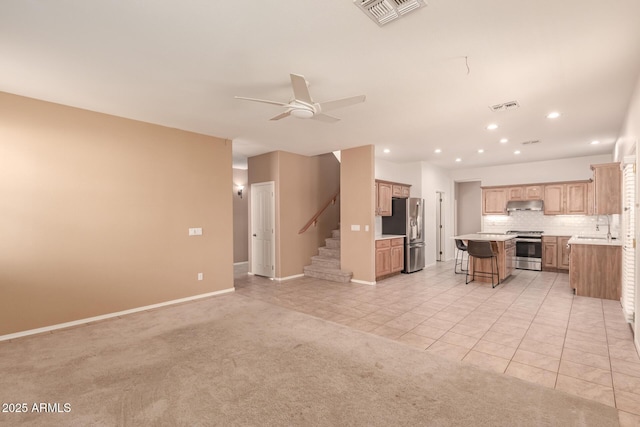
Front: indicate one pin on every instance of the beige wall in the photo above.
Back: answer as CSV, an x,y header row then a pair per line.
x,y
468,197
303,184
95,211
357,207
240,216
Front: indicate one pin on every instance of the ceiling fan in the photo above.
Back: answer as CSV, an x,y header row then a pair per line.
x,y
303,107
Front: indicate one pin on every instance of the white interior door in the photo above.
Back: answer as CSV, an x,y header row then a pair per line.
x,y
263,243
439,227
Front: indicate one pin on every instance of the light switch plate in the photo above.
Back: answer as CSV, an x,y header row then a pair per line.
x,y
195,232
355,227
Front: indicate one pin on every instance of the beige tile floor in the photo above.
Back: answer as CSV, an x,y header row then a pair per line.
x,y
531,327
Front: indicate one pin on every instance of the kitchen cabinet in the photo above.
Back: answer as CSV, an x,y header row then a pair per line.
x,y
389,256
525,192
555,253
383,198
595,270
607,189
494,201
399,190
509,257
566,199
383,257
385,191
549,253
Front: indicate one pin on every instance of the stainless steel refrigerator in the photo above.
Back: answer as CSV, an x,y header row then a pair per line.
x,y
408,218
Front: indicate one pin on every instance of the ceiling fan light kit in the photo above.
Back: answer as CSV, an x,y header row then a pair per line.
x,y
303,107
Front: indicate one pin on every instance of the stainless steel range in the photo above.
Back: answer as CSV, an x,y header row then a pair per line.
x,y
528,249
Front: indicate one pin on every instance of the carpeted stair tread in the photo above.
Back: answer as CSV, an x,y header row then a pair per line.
x,y
327,262
329,252
332,274
332,242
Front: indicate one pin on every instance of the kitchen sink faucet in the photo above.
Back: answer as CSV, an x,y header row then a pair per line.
x,y
608,226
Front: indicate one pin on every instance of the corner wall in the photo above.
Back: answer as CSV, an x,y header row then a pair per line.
x,y
95,212
357,184
240,216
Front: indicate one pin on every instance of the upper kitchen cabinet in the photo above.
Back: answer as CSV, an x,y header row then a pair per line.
x,y
607,189
566,199
526,192
385,191
383,198
494,201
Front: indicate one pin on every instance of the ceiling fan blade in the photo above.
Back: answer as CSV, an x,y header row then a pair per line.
x,y
300,88
282,104
325,118
282,115
339,103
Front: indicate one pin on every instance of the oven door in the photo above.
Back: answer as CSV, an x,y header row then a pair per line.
x,y
528,248
528,254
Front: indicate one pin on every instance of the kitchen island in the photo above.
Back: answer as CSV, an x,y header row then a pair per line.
x,y
503,245
595,267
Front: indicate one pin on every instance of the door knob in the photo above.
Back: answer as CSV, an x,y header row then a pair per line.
x,y
255,235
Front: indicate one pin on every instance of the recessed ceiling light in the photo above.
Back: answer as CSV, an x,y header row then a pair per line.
x,y
481,151
437,151
492,126
516,152
504,141
553,115
458,159
595,142
386,150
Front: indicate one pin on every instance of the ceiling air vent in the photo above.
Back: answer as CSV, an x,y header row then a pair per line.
x,y
384,11
511,105
534,141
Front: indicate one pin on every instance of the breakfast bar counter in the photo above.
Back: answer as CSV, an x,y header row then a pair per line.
x,y
505,248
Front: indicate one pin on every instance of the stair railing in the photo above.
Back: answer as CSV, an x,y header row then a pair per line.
x,y
314,219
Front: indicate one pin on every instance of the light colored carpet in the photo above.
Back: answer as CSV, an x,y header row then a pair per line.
x,y
234,361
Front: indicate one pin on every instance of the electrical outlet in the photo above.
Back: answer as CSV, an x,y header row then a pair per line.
x,y
200,276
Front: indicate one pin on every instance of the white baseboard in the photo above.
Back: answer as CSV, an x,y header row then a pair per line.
x,y
241,263
282,279
111,315
362,282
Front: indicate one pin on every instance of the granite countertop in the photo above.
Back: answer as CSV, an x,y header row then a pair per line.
x,y
486,237
389,236
594,240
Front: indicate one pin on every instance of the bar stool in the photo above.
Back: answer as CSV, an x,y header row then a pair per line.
x,y
482,250
461,248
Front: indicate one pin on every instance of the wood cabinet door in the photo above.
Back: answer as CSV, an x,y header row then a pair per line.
x,y
384,199
550,254
554,199
494,201
397,258
533,192
576,198
383,262
406,191
515,193
607,181
563,253
396,190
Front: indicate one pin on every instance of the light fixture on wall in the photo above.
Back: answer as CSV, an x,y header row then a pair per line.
x,y
240,188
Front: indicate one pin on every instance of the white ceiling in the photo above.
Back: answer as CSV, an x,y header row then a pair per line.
x,y
180,63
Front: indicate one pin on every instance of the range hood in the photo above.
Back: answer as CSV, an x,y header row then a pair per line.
x,y
524,205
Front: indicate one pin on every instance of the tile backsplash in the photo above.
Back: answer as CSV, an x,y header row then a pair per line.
x,y
560,225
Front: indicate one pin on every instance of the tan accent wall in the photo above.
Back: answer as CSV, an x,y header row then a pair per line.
x,y
240,216
357,183
303,184
95,211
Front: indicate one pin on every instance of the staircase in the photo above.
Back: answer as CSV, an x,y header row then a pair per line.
x,y
326,265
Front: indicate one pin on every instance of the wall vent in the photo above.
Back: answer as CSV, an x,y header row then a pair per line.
x,y
384,11
506,106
